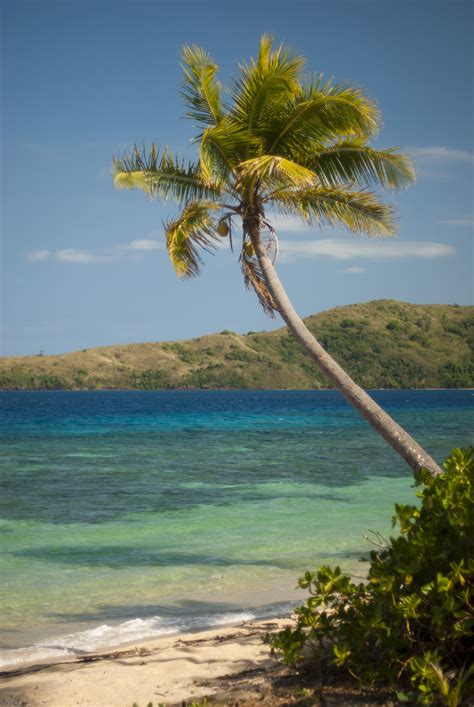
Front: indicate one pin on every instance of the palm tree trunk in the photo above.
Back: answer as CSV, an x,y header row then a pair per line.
x,y
395,435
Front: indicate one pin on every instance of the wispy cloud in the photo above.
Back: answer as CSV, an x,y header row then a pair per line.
x,y
133,251
341,249
458,222
146,244
435,160
289,224
356,270
441,152
336,248
36,256
73,255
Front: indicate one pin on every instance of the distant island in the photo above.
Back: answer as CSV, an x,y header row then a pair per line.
x,y
382,344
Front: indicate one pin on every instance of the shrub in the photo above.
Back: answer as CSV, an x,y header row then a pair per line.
x,y
393,325
457,375
46,381
150,380
348,323
412,622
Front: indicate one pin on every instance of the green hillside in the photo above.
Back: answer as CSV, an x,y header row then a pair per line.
x,y
382,344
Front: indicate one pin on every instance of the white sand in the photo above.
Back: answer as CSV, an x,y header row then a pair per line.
x,y
165,670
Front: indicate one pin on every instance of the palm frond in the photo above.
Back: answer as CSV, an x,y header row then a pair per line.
x,y
162,175
271,171
319,113
223,147
201,90
359,211
266,82
265,51
193,228
253,278
353,161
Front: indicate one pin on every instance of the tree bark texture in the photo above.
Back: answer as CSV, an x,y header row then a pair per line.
x,y
396,436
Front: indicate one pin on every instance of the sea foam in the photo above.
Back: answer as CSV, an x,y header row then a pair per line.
x,y
105,636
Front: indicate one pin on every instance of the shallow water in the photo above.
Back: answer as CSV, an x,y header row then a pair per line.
x,y
128,514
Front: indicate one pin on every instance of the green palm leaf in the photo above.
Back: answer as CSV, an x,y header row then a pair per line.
x,y
271,171
353,161
318,114
265,83
161,176
223,147
201,90
193,228
360,212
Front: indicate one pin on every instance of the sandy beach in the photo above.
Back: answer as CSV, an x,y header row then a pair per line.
x,y
168,670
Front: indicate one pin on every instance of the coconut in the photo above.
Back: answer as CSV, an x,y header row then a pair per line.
x,y
249,249
223,229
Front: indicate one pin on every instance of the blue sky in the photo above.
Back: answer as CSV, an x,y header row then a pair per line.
x,y
83,264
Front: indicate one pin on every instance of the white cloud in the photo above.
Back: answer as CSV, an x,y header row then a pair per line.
x,y
356,269
441,152
289,224
459,222
341,249
433,161
144,244
36,256
72,255
132,252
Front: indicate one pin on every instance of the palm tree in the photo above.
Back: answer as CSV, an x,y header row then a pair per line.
x,y
284,144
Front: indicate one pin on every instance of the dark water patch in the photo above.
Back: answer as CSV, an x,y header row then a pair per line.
x,y
94,498
360,555
49,411
181,609
114,556
97,481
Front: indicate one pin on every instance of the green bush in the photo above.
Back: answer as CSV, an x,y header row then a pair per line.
x,y
348,323
238,355
411,624
393,325
150,380
46,381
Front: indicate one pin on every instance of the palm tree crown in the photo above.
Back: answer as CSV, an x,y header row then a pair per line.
x,y
277,142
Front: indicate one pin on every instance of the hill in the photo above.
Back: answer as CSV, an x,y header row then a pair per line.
x,y
382,344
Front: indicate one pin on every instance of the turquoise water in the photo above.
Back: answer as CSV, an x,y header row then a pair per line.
x,y
131,514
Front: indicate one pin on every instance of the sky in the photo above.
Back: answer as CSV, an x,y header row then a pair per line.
x,y
84,265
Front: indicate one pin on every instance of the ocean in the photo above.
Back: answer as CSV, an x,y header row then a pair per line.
x,y
131,514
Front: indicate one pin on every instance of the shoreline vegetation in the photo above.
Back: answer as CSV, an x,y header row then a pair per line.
x,y
383,344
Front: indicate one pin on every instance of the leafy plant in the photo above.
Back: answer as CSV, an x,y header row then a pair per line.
x,y
413,621
150,380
